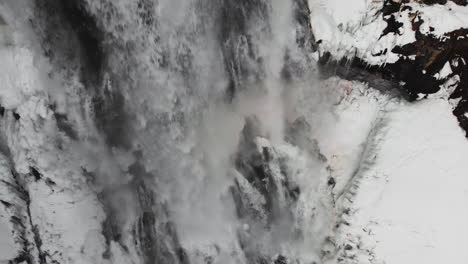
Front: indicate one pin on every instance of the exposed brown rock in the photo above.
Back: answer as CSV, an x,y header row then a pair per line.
x,y
414,76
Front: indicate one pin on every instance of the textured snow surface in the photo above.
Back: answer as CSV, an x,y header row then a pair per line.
x,y
407,200
442,18
347,36
412,198
8,248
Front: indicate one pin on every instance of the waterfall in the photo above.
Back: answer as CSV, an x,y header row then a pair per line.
x,y
189,121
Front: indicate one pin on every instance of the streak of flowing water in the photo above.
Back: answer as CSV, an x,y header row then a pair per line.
x,y
191,73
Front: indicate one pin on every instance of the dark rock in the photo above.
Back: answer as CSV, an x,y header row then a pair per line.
x,y
411,77
238,45
390,7
50,182
281,260
35,173
432,54
393,26
244,65
305,37
443,2
64,125
155,235
112,118
16,116
38,242
2,21
331,182
5,203
138,170
254,166
71,34
357,69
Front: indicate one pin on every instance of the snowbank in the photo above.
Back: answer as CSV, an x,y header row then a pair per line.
x,y
406,203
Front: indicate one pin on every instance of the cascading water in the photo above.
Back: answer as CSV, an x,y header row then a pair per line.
x,y
205,131
190,119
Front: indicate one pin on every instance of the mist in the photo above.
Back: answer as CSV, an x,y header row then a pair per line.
x,y
187,121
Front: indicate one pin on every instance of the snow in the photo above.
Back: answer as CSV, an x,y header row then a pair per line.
x,y
66,211
442,18
342,12
342,137
8,248
408,198
343,41
354,28
424,195
444,72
